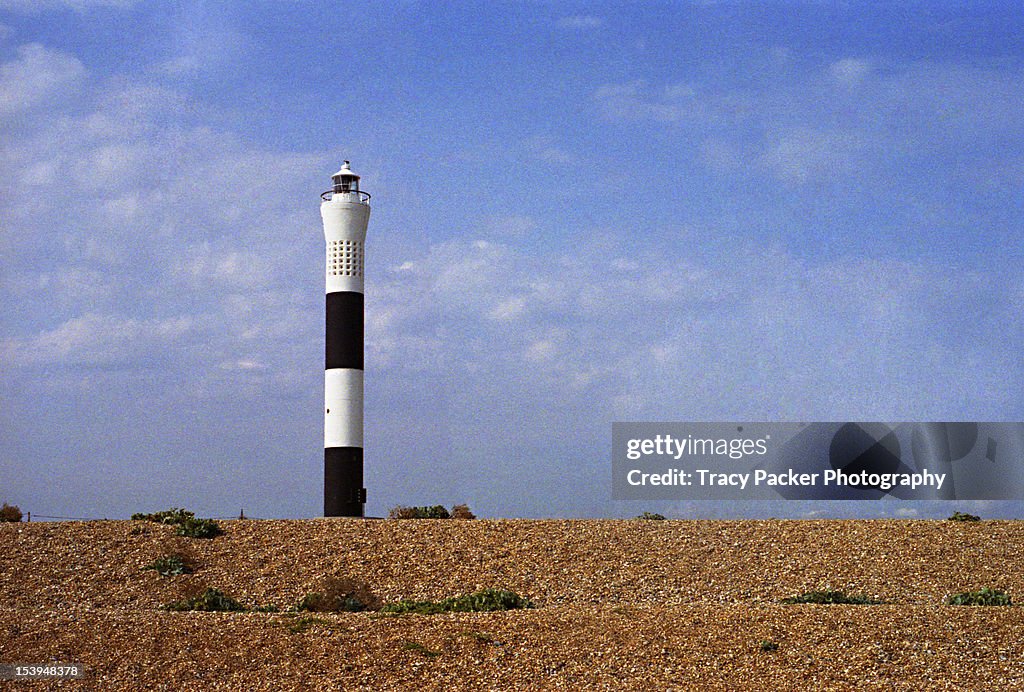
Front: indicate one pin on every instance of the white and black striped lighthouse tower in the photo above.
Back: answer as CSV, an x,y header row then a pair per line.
x,y
346,211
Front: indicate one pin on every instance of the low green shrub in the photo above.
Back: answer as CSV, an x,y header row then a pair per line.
x,y
767,645
435,512
186,522
10,513
487,600
960,516
830,598
211,600
462,512
317,602
339,595
651,516
198,528
981,597
174,515
170,565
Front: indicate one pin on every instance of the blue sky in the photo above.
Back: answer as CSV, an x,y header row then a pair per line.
x,y
582,213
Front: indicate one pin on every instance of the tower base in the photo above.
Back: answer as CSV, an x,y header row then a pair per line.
x,y
344,494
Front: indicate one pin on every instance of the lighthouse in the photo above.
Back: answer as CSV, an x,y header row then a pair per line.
x,y
346,211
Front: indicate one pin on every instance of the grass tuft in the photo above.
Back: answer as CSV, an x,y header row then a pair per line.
x,y
304,623
420,649
211,600
981,597
170,565
488,600
829,597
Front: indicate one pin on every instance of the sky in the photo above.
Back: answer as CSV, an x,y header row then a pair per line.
x,y
581,213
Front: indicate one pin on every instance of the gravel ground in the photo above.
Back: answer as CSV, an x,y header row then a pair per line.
x,y
620,605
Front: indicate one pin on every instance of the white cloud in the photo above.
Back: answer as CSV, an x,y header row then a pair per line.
x,y
848,120
613,327
546,149
131,236
943,100
673,103
96,340
201,42
508,310
242,364
633,101
580,21
721,155
512,226
37,76
803,154
755,332
138,112
183,65
541,350
849,72
204,266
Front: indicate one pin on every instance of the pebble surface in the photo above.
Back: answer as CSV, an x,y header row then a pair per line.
x,y
620,604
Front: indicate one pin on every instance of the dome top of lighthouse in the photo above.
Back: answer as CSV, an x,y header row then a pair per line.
x,y
345,187
345,171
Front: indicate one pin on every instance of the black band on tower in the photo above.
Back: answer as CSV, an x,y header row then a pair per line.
x,y
344,342
344,493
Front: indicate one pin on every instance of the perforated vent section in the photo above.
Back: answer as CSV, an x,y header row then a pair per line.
x,y
345,258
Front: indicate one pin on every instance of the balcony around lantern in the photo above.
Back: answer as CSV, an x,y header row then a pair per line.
x,y
352,196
